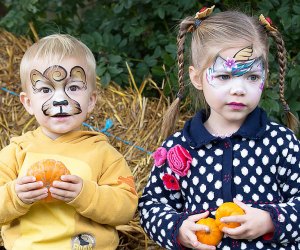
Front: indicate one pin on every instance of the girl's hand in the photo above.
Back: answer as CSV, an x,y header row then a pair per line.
x,y
254,223
187,236
29,190
67,189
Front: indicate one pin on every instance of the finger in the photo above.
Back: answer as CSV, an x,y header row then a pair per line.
x,y
204,247
61,192
71,178
199,227
28,187
197,217
232,231
241,204
192,238
63,185
233,218
33,195
62,198
25,179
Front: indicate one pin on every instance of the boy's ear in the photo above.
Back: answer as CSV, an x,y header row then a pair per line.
x,y
92,101
26,102
196,79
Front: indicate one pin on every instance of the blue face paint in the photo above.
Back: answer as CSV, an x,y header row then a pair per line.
x,y
223,71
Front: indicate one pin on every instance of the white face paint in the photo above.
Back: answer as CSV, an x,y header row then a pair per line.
x,y
224,72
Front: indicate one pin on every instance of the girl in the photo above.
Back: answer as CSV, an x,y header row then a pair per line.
x,y
229,151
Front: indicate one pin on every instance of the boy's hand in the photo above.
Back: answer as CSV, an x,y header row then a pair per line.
x,y
187,236
67,189
29,190
256,222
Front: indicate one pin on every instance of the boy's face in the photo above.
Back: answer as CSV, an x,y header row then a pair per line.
x,y
59,96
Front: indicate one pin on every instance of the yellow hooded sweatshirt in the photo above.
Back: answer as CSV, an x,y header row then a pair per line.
x,y
107,199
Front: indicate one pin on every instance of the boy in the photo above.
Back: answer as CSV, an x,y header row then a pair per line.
x,y
59,88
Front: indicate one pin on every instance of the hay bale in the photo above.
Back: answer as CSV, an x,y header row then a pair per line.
x,y
135,133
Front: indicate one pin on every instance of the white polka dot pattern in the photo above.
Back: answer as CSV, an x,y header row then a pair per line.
x,y
261,171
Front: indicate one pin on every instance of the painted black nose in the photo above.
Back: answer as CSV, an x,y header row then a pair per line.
x,y
62,103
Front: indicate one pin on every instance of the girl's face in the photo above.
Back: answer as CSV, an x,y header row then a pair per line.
x,y
59,96
232,85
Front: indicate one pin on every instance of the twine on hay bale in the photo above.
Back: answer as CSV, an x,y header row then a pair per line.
x,y
136,118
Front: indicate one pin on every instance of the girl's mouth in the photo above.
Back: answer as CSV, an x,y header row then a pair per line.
x,y
236,105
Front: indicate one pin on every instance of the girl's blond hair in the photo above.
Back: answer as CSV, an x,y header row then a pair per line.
x,y
56,47
218,32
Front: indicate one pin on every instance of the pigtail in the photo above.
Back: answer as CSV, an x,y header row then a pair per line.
x,y
292,121
190,24
171,115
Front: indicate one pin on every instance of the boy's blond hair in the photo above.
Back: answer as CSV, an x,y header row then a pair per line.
x,y
56,47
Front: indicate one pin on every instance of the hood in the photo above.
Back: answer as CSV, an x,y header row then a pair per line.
x,y
71,137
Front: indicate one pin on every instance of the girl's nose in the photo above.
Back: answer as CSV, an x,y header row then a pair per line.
x,y
237,87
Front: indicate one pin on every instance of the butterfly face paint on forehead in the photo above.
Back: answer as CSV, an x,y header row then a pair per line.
x,y
240,65
58,90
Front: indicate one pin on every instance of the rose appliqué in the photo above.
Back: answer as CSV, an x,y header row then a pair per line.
x,y
179,160
160,156
170,182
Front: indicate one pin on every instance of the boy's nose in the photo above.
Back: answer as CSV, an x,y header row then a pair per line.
x,y
61,103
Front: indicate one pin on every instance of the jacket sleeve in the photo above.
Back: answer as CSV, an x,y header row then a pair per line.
x,y
11,207
161,209
113,200
285,215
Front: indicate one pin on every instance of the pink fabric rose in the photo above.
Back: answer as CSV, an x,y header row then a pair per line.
x,y
160,156
170,182
179,160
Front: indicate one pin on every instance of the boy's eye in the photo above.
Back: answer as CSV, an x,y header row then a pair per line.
x,y
45,90
74,88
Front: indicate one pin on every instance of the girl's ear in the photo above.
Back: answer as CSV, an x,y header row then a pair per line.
x,y
196,79
92,101
25,100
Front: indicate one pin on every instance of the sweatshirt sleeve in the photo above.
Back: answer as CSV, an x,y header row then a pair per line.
x,y
11,207
113,200
161,207
285,215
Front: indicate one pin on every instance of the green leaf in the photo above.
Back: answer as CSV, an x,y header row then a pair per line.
x,y
105,79
114,58
114,70
100,70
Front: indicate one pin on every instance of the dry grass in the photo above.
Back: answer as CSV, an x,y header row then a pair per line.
x,y
137,120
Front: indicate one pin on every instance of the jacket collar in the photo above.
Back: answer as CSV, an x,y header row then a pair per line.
x,y
196,134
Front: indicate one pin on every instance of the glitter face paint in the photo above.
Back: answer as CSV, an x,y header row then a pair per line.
x,y
223,71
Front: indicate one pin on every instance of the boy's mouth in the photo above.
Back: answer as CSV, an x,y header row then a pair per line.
x,y
61,115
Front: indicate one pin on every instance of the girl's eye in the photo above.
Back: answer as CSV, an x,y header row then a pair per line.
x,y
253,78
223,77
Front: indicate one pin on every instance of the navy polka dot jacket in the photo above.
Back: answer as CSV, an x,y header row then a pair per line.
x,y
195,172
